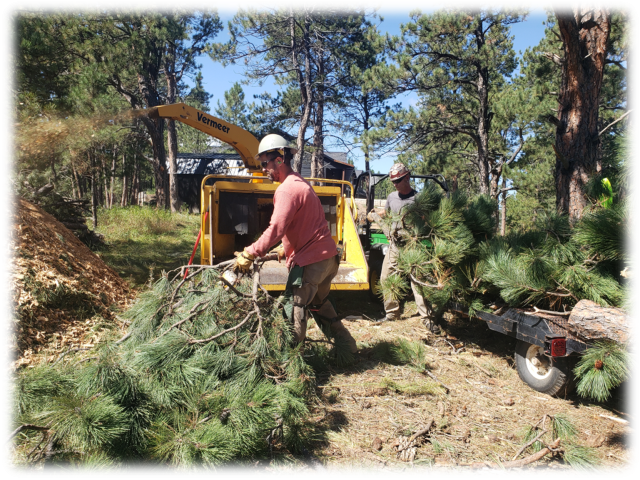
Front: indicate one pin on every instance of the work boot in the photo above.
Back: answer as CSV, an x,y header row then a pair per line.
x,y
339,331
386,318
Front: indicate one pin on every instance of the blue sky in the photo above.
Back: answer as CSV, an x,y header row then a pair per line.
x,y
218,79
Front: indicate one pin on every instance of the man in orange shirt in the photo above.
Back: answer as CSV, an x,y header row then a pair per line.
x,y
298,220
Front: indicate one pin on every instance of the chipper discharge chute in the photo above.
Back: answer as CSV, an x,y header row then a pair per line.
x,y
236,209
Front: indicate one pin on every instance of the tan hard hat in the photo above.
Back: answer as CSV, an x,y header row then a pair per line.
x,y
273,142
398,171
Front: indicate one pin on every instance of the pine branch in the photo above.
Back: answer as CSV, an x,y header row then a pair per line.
x,y
528,444
439,286
614,122
28,426
68,351
192,313
232,329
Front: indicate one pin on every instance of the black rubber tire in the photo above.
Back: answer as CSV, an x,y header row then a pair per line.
x,y
558,381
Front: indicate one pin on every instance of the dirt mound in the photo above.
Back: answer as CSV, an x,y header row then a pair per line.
x,y
63,294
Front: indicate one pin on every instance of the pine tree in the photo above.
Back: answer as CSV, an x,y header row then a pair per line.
x,y
192,140
455,61
206,375
236,111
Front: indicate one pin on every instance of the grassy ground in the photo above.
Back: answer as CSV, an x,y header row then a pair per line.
x,y
144,241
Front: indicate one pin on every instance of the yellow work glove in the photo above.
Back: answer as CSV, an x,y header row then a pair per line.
x,y
244,260
280,251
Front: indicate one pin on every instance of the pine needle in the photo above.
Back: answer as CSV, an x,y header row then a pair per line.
x,y
602,367
579,457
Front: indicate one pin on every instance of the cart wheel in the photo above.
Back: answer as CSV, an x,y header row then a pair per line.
x,y
374,285
542,373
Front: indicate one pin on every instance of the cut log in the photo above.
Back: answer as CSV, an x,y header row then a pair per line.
x,y
593,322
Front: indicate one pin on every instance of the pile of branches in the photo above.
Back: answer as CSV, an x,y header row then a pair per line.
x,y
448,247
207,374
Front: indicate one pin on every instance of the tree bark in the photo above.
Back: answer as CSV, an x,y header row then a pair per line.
x,y
172,139
483,126
135,182
317,163
76,180
105,183
94,191
155,127
365,128
123,197
305,85
593,322
585,33
483,133
503,209
113,177
632,86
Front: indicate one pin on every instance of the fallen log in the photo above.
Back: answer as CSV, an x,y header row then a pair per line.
x,y
593,322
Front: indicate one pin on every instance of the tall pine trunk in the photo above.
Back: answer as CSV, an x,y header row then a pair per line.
x,y
94,191
585,33
123,197
304,82
105,184
135,182
317,163
76,180
366,128
503,209
155,128
172,138
113,177
483,133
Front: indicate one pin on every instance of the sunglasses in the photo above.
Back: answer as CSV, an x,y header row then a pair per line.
x,y
266,162
395,182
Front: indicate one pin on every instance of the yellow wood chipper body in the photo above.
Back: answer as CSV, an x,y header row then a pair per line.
x,y
240,207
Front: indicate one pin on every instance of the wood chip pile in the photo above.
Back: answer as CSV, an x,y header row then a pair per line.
x,y
62,292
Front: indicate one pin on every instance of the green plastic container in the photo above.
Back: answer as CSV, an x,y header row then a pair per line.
x,y
381,238
378,238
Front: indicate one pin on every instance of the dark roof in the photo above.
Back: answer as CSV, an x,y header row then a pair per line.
x,y
218,163
210,163
340,157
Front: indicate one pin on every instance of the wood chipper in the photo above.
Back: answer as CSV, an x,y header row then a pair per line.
x,y
236,209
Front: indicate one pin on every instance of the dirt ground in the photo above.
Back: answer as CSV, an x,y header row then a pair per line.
x,y
63,294
367,409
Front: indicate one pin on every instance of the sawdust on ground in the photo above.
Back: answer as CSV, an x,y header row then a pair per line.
x,y
64,296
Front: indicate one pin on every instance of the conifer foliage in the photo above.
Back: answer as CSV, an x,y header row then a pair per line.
x,y
206,375
448,248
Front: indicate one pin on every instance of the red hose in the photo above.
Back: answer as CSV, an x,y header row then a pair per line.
x,y
195,246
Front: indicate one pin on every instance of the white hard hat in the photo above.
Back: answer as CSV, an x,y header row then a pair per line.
x,y
273,142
